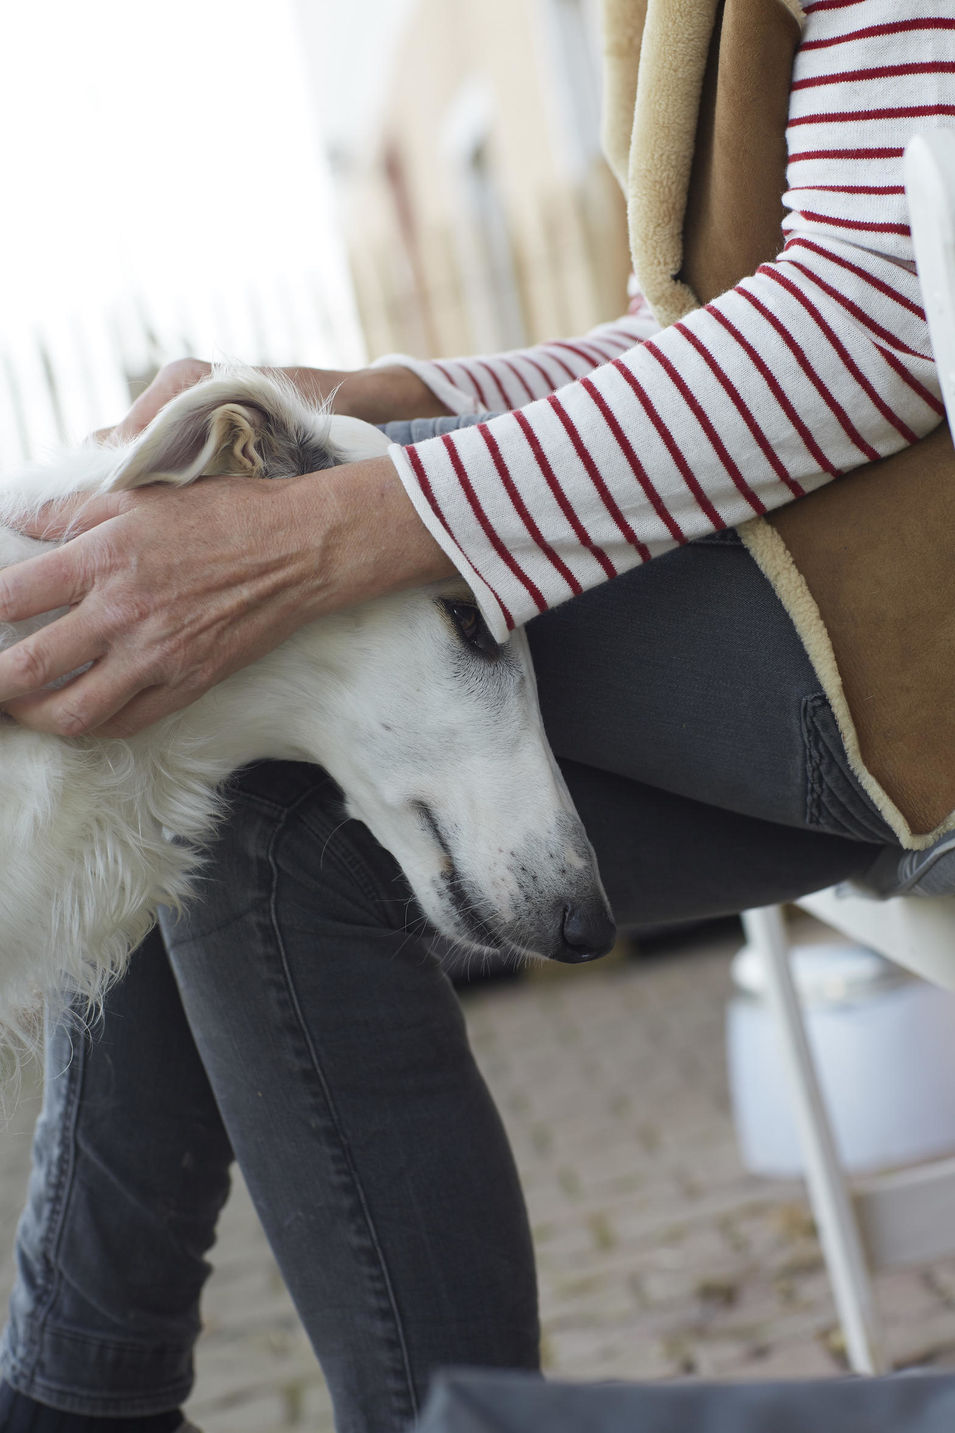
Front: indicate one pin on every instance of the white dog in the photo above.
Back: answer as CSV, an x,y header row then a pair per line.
x,y
431,729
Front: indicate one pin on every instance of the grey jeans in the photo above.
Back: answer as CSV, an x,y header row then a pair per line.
x,y
289,1018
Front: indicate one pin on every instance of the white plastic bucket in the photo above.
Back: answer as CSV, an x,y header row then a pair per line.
x,y
884,1046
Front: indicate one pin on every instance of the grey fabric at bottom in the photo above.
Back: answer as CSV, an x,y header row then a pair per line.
x,y
473,1402
914,873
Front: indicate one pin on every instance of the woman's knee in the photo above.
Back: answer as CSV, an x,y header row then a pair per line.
x,y
287,850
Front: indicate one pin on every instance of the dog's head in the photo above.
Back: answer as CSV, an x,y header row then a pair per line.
x,y
429,725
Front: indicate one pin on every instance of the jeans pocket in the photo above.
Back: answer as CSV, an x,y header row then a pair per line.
x,y
835,800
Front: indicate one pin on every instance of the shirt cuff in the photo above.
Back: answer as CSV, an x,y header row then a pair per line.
x,y
427,509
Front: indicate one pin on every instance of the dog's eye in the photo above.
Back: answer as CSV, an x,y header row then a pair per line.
x,y
472,627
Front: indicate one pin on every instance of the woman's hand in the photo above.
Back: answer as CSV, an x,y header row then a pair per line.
x,y
378,395
170,590
171,379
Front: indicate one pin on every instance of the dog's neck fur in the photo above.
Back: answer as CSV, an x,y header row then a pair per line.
x,y
109,862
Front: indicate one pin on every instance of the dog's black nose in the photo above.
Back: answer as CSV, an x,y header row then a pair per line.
x,y
587,931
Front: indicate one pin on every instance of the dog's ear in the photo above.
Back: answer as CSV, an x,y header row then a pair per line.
x,y
204,432
241,422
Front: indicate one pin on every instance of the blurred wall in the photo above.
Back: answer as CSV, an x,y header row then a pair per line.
x,y
478,212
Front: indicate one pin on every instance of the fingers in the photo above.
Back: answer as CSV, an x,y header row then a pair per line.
x,y
81,706
146,707
104,700
171,379
40,584
67,517
62,647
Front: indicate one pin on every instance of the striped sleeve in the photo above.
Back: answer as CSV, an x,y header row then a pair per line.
x,y
814,365
496,383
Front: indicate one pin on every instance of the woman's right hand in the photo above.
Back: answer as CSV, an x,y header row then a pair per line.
x,y
378,395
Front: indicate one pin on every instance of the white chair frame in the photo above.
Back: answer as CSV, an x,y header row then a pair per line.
x,y
900,1218
906,1217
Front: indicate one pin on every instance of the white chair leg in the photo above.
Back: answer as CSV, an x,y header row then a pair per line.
x,y
826,1185
929,171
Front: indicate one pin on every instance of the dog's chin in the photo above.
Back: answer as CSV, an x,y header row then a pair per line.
x,y
456,915
455,920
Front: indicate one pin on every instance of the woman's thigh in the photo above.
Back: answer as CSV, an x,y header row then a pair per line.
x,y
687,676
697,742
666,858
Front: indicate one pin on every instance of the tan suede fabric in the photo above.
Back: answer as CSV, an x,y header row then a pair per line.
x,y
673,57
863,566
676,71
623,22
864,569
734,209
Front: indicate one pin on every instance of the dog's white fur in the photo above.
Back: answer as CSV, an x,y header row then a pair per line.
x,y
438,748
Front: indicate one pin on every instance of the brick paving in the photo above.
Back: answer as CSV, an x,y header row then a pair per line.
x,y
659,1256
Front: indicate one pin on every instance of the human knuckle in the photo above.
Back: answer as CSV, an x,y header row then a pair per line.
x,y
165,662
126,612
28,666
198,677
72,720
136,610
123,501
184,371
173,644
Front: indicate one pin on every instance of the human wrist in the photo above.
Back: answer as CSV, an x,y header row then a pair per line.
x,y
384,393
364,537
387,394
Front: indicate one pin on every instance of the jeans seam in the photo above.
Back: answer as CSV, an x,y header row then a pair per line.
x,y
839,810
237,792
68,1334
375,1243
352,865
58,1201
264,804
835,803
813,764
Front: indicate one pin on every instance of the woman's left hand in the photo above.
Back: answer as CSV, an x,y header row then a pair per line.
x,y
169,590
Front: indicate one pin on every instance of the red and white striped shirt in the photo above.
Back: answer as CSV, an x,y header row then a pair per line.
x,y
629,441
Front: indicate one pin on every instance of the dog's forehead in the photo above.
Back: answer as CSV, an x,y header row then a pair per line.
x,y
455,589
430,602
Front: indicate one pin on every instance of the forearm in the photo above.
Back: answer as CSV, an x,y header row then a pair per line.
x,y
496,382
385,394
818,363
742,407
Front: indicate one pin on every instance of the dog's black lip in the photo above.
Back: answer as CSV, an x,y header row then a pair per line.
x,y
423,810
478,929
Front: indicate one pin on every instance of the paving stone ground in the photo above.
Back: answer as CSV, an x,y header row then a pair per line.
x,y
659,1256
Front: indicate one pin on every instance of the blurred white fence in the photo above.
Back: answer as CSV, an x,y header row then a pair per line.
x,y
66,377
